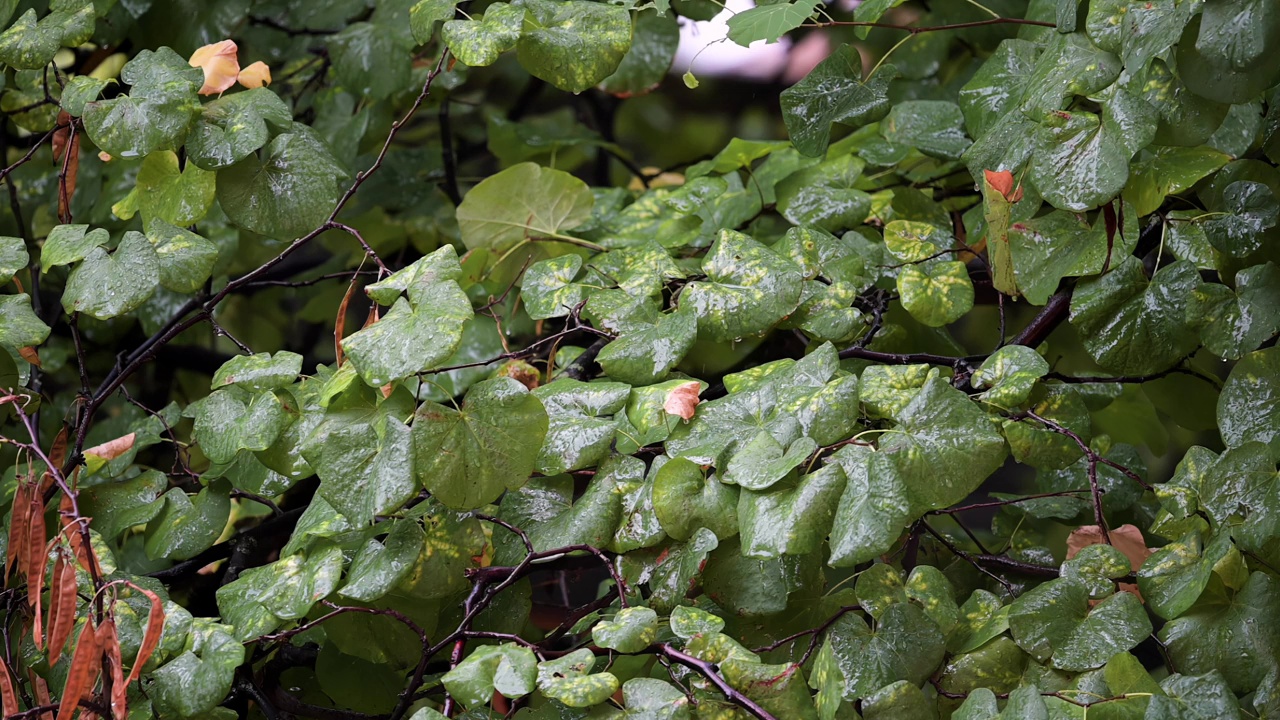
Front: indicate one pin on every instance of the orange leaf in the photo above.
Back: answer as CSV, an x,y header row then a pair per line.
x,y
16,553
58,452
8,697
113,449
62,605
109,641
151,637
30,355
256,75
1126,538
683,400
340,322
37,560
66,150
1002,181
86,665
220,66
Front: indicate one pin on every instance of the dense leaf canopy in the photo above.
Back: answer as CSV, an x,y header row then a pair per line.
x,y
451,359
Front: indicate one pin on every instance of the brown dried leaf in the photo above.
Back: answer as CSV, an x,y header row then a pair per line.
x,y
86,665
58,451
1126,538
113,449
683,400
151,637
84,552
30,355
8,696
62,605
69,157
340,322
220,66
255,75
109,641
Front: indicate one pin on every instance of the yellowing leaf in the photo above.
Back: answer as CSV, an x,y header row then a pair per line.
x,y
683,400
255,76
220,66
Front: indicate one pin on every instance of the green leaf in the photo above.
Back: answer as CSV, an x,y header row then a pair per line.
x,y
1248,408
178,197
1248,209
234,419
288,191
769,22
79,91
1134,326
106,285
941,427
873,510
688,621
1185,696
70,243
1235,323
548,289
1233,634
676,575
791,518
569,680
262,371
981,618
1221,54
833,92
630,631
19,325
997,88
524,201
509,669
232,127
1070,65
686,499
1078,161
749,288
185,528
934,127
13,256
898,701
1010,374
1165,171
480,42
380,566
1054,623
1173,577
581,426
257,601
157,112
572,44
905,645
200,677
467,458
1057,245
825,195
646,353
763,461
412,337
186,259
937,293
372,60
779,689
652,699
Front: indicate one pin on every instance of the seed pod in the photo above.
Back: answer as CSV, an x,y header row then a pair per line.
x,y
150,638
86,665
109,641
8,697
62,605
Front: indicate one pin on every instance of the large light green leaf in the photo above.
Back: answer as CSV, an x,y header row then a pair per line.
x,y
1132,325
833,93
412,337
479,42
1078,162
769,22
184,527
936,293
200,677
13,257
1173,577
157,112
69,243
1058,244
234,419
778,689
581,424
792,517
1234,634
365,463
646,353
1249,406
379,566
233,126
998,86
749,288
186,259
107,285
572,44
524,201
1055,624
1165,171
288,191
630,631
263,597
905,645
825,195
177,196
19,325
873,510
469,457
570,680
1235,323
687,498
548,288
1070,65
934,127
508,669
1010,373
653,699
